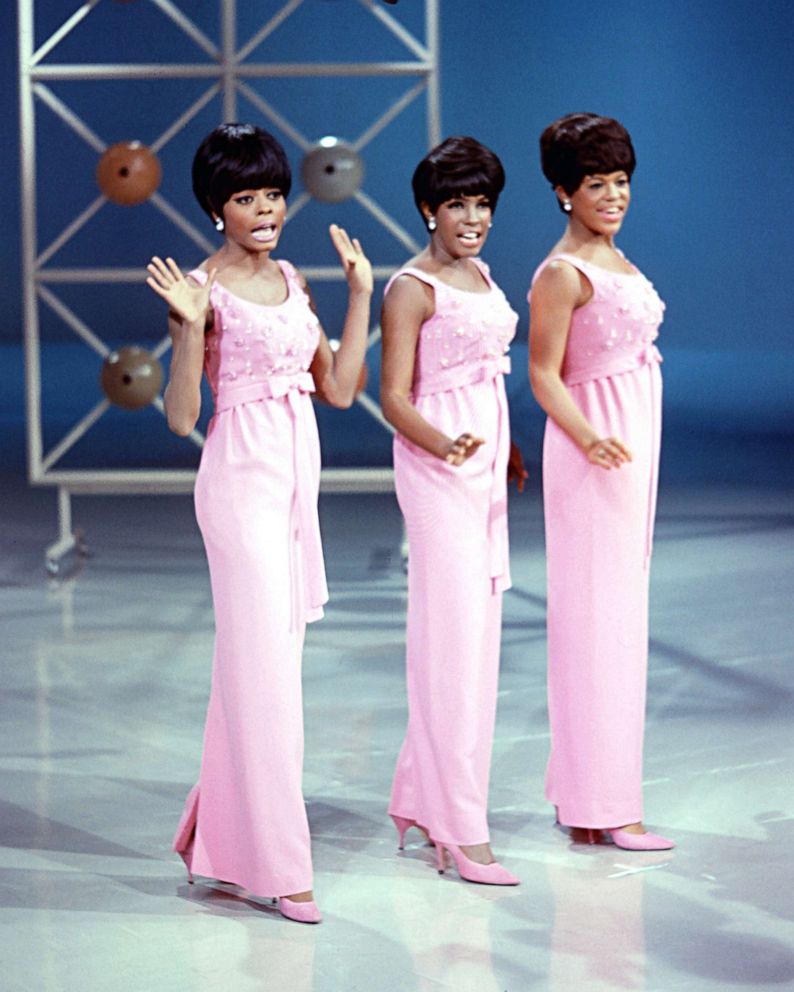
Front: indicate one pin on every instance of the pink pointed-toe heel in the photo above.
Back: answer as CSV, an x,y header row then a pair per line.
x,y
403,825
472,871
300,912
640,842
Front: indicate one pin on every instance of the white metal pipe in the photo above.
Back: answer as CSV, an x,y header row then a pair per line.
x,y
69,232
322,69
120,481
181,122
159,201
189,27
386,118
432,32
275,117
228,64
397,29
64,513
83,11
27,171
73,436
321,273
69,117
267,29
80,328
77,276
335,273
161,347
374,410
251,70
297,205
388,222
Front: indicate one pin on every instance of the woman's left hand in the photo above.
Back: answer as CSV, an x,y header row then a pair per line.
x,y
358,270
515,468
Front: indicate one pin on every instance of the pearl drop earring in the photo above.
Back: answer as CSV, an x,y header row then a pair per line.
x,y
219,224
567,206
431,224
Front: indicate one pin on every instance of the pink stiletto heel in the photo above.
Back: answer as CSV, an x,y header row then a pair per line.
x,y
300,912
640,842
403,825
471,871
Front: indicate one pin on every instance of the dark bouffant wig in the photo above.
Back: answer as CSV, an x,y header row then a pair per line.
x,y
580,145
235,157
459,166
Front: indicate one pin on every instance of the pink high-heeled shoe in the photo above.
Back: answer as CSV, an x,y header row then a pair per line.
x,y
640,842
472,871
300,912
403,825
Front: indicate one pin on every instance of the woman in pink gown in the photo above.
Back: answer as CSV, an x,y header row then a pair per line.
x,y
595,371
446,329
248,323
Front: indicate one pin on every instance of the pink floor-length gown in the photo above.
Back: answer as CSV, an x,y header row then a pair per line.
x,y
256,504
456,520
599,532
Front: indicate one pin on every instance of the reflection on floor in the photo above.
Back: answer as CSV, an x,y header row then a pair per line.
x,y
105,677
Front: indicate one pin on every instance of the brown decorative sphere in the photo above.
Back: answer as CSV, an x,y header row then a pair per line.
x,y
131,378
128,173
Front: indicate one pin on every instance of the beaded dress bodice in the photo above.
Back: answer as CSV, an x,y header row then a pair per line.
x,y
251,342
616,329
468,333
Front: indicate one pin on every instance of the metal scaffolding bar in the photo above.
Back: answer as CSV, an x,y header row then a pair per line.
x,y
229,72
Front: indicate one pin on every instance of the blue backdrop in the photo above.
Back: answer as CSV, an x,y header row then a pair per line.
x,y
704,87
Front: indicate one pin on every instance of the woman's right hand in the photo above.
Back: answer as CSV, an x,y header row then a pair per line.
x,y
188,300
608,452
462,448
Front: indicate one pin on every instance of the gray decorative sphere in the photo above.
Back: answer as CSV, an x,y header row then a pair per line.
x,y
332,171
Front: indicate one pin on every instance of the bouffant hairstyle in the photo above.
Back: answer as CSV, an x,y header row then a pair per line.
x,y
580,145
459,166
235,157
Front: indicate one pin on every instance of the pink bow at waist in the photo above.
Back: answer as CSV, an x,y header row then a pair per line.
x,y
463,375
273,387
649,355
307,570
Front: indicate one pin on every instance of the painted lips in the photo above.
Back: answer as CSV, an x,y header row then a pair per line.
x,y
266,233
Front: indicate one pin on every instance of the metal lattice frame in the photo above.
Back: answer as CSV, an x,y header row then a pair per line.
x,y
227,72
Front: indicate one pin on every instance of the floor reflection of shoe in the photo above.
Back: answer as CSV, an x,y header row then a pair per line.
x,y
300,912
640,842
473,871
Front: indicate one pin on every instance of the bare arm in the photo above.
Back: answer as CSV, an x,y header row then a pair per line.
x,y
555,295
407,306
189,312
336,373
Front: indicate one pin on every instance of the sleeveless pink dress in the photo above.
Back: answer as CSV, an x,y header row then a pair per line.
x,y
256,505
599,530
456,520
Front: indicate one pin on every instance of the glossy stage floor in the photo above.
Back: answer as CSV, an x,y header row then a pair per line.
x,y
105,679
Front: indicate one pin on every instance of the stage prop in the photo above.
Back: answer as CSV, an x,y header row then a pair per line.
x,y
129,173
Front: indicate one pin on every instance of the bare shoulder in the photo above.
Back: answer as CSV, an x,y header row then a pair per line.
x,y
558,274
408,288
559,283
293,268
